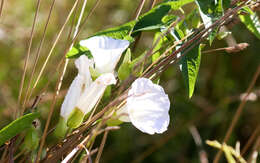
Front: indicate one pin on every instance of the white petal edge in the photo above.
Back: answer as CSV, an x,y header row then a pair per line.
x,y
83,64
92,94
72,96
106,51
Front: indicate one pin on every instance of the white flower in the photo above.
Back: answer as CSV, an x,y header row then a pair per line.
x,y
147,107
94,92
82,80
106,52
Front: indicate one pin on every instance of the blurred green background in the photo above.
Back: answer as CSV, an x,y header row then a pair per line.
x,y
222,79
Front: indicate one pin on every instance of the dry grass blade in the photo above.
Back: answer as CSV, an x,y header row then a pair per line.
x,y
57,89
55,43
251,139
229,151
196,136
1,7
238,112
101,146
138,12
37,58
28,55
153,3
255,149
59,83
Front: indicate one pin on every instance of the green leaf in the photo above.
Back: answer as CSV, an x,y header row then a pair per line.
x,y
149,21
190,64
31,139
210,11
152,20
78,50
61,128
120,32
251,21
114,122
176,4
158,50
125,68
75,118
139,70
17,126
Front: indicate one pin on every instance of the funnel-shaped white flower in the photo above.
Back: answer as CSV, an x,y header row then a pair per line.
x,y
82,80
106,52
94,92
147,107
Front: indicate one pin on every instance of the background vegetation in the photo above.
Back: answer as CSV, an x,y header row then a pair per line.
x,y
223,79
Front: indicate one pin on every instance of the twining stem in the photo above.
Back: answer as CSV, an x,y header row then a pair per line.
x,y
27,55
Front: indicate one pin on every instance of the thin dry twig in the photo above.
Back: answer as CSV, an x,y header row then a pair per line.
x,y
251,139
59,83
37,58
101,147
57,89
238,112
255,149
138,12
28,55
232,49
196,136
1,7
88,155
72,42
55,43
153,3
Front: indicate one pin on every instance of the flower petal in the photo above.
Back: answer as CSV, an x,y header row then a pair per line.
x,y
92,94
148,106
106,51
72,96
83,64
81,81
